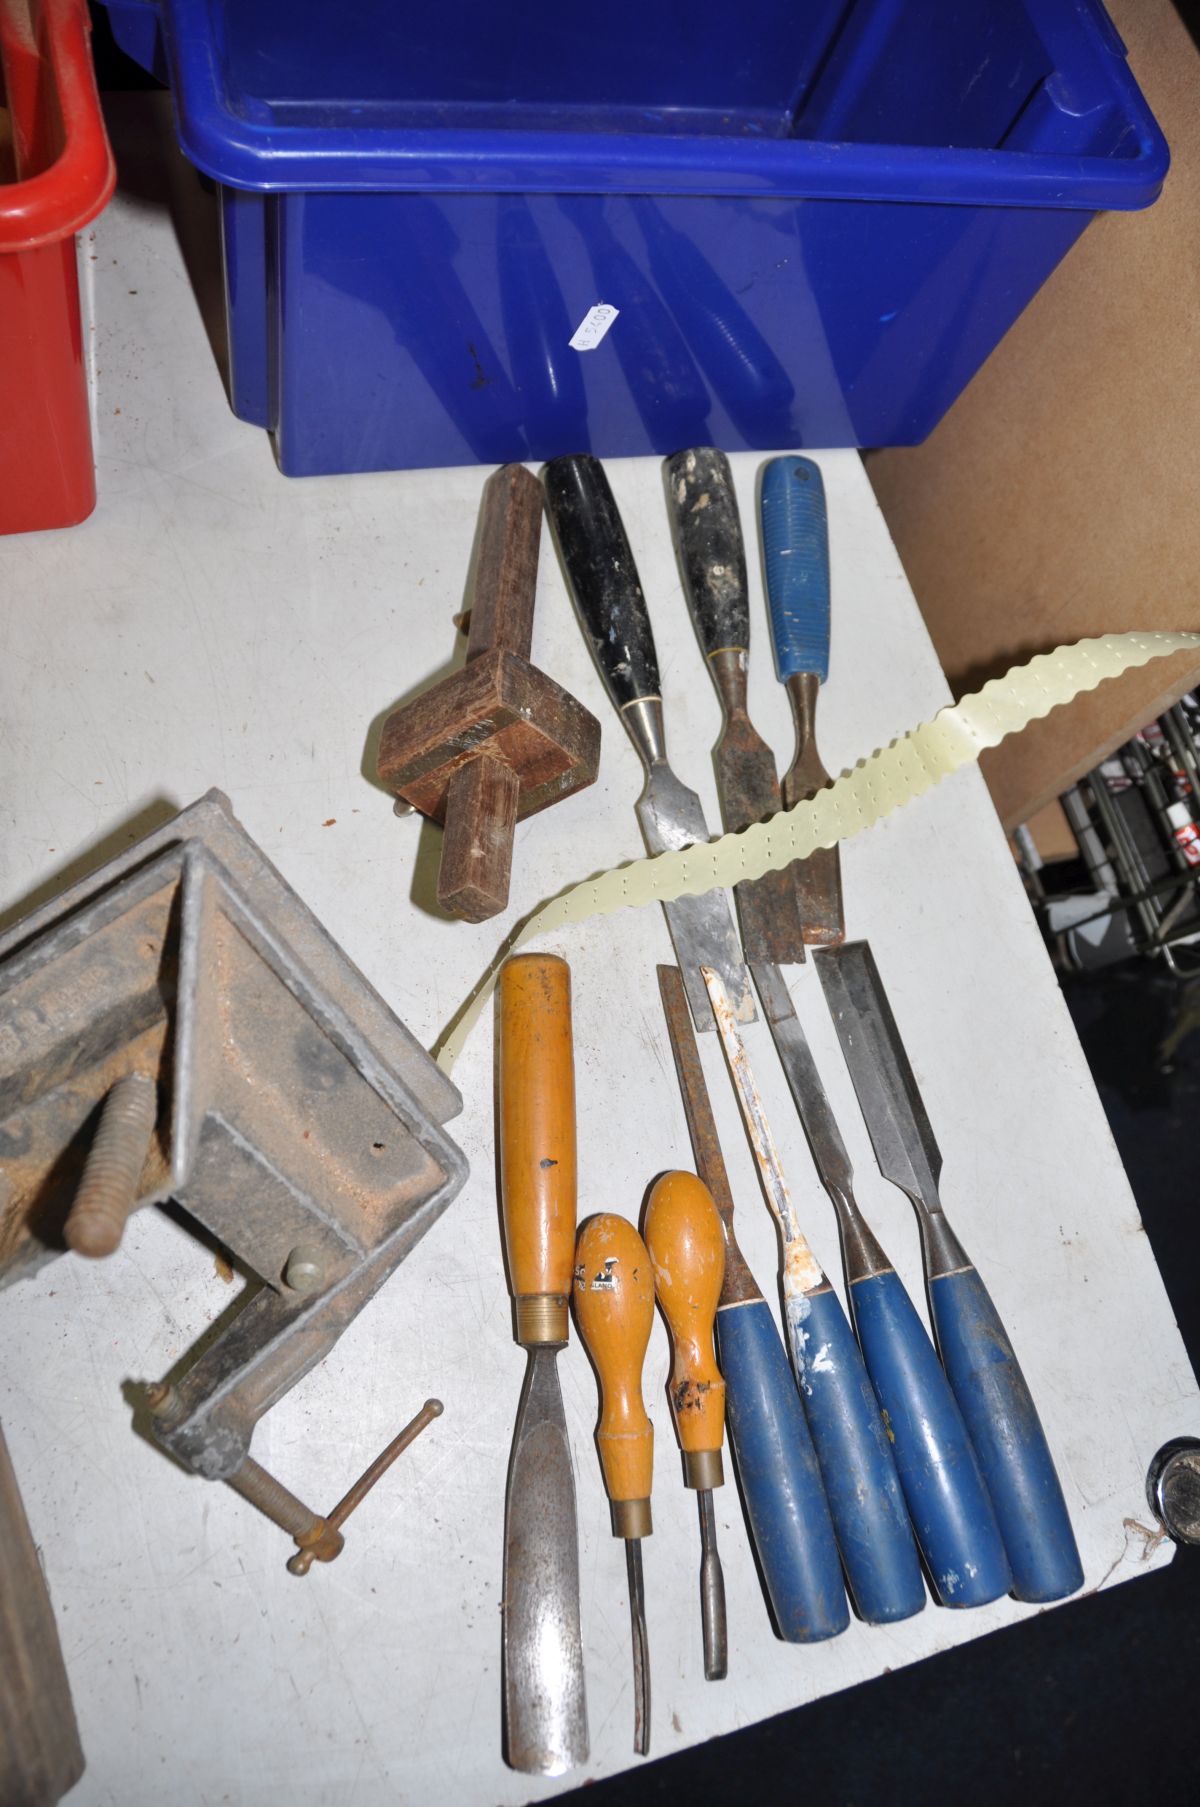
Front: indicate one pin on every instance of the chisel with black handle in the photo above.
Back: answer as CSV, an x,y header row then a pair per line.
x,y
608,599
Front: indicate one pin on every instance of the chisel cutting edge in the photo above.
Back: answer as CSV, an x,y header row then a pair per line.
x,y
983,1371
545,1709
612,609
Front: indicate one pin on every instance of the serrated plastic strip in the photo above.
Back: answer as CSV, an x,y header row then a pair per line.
x,y
891,777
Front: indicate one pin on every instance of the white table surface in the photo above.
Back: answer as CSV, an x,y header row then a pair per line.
x,y
217,624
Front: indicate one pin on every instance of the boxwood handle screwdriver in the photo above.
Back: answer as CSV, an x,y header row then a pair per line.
x,y
683,1235
614,1308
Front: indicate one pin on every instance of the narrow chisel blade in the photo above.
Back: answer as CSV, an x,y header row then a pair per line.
x,y
900,1131
701,928
545,1708
641,1646
804,1082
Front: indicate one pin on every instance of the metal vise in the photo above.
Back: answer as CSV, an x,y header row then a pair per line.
x,y
179,1026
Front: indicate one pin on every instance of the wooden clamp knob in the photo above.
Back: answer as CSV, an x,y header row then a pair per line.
x,y
498,740
614,1308
537,1141
687,1250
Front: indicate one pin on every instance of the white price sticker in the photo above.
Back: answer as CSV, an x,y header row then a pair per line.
x,y
593,326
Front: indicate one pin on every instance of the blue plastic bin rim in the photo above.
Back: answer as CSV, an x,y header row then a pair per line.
x,y
265,156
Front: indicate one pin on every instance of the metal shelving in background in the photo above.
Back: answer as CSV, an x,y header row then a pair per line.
x,y
1135,888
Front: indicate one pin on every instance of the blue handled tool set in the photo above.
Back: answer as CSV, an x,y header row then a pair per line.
x,y
877,1465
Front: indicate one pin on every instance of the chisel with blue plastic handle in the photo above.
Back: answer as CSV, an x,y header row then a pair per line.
x,y
978,1356
947,1501
852,1442
795,536
772,1446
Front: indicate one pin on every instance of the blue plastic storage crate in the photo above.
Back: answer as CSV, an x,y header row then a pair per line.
x,y
814,218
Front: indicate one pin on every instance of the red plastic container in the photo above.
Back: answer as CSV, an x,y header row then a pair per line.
x,y
56,173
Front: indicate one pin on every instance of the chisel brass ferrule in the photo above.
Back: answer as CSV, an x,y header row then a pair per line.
x,y
631,1518
703,1469
541,1319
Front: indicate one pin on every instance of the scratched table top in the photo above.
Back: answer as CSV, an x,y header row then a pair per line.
x,y
216,624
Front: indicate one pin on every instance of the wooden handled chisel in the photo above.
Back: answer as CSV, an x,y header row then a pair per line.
x,y
707,530
683,1235
772,1446
614,1308
795,536
612,610
545,1710
983,1370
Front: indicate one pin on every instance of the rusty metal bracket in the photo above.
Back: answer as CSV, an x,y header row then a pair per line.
x,y
180,1026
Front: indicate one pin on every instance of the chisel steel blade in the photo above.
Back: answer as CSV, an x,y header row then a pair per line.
x,y
545,1710
707,530
768,907
820,1126
608,598
701,928
795,542
900,1131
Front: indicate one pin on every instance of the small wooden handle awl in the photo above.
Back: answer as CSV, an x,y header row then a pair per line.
x,y
687,1249
614,1308
537,1141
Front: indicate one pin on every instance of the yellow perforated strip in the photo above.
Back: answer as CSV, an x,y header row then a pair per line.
x,y
889,778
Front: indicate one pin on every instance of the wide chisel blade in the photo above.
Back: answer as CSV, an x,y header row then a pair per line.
x,y
712,562
702,930
545,1711
607,594
901,1135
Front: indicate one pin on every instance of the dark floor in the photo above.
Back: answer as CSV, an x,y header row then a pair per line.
x,y
1089,1702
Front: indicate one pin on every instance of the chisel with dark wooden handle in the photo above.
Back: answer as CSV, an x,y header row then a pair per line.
x,y
545,1709
983,1371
